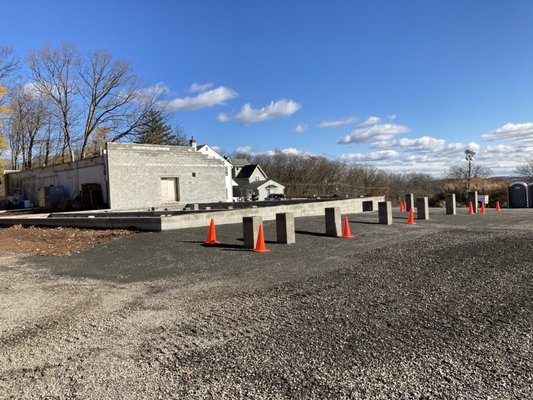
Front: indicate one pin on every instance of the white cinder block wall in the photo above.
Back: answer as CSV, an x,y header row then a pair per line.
x,y
135,172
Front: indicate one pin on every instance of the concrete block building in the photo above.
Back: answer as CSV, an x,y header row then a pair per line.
x,y
130,176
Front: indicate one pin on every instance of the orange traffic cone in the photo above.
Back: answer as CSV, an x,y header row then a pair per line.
x,y
401,207
346,229
498,209
212,236
483,211
405,206
260,246
411,219
470,209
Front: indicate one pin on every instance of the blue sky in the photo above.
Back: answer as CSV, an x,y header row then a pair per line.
x,y
403,85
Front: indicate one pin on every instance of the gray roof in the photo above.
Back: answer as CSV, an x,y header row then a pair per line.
x,y
239,162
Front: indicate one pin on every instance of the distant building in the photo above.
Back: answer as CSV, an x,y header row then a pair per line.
x,y
253,182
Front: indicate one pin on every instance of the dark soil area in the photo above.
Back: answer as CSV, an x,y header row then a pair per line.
x,y
54,241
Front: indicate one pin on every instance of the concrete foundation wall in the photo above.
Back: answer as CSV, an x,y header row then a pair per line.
x,y
348,206
92,220
136,171
24,185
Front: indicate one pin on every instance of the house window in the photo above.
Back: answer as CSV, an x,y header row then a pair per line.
x,y
227,171
170,190
257,178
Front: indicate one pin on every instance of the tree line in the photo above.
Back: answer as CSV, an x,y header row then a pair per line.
x,y
61,105
315,176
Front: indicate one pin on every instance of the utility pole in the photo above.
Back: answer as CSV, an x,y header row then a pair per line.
x,y
469,156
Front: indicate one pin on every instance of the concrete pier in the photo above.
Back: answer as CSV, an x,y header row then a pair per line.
x,y
451,208
409,201
422,208
385,212
250,230
285,228
333,221
472,197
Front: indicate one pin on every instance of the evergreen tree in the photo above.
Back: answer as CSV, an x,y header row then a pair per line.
x,y
154,129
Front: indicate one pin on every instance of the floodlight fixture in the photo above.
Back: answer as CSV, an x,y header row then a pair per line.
x,y
469,155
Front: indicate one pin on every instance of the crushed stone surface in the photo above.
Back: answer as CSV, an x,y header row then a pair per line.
x,y
435,311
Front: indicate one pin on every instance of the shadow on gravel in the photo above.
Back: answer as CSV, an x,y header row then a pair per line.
x,y
238,249
312,233
224,246
363,222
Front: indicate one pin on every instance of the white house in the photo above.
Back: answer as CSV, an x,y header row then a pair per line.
x,y
228,179
253,182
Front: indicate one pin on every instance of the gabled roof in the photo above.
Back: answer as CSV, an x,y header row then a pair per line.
x,y
239,162
247,171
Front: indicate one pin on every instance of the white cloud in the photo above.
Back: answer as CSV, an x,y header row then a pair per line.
x,y
500,148
371,121
374,133
436,156
424,143
511,131
473,146
155,91
337,123
290,151
214,97
248,115
200,87
300,128
373,156
249,150
391,117
223,117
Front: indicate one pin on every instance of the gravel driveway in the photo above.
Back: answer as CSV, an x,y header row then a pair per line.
x,y
442,309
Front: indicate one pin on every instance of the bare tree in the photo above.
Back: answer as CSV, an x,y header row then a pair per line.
x,y
93,95
29,115
461,172
114,102
49,144
526,170
9,63
53,75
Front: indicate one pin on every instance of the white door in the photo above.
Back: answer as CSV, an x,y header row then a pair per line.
x,y
169,190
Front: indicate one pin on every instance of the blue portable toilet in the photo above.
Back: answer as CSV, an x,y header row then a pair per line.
x,y
518,195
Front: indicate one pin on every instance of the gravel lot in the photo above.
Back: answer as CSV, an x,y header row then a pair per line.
x,y
442,309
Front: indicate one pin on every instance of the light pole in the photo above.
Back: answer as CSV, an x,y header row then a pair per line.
x,y
469,156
